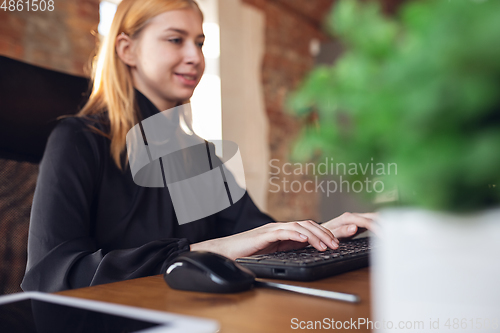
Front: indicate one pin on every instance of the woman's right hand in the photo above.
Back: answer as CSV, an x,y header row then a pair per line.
x,y
272,237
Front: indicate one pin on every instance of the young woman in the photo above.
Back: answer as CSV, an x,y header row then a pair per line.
x,y
90,223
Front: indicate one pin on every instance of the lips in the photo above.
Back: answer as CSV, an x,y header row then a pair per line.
x,y
189,79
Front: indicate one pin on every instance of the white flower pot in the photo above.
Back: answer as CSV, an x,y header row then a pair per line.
x,y
436,272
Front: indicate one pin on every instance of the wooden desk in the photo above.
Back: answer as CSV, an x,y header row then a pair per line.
x,y
258,310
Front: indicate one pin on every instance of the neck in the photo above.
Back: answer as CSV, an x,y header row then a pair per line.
x,y
159,102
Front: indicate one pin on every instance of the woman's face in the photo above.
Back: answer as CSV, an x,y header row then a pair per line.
x,y
167,59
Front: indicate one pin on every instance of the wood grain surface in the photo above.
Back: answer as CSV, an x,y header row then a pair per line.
x,y
257,310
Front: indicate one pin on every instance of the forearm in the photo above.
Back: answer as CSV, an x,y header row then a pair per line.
x,y
232,247
211,245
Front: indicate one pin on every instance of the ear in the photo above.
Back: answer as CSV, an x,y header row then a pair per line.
x,y
124,46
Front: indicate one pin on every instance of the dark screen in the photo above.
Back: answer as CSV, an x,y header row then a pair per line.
x,y
30,315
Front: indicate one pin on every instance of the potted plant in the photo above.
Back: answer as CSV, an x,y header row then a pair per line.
x,y
421,90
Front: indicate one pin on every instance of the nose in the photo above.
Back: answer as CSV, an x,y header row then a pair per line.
x,y
193,54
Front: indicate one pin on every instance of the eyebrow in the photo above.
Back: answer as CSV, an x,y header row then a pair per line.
x,y
183,32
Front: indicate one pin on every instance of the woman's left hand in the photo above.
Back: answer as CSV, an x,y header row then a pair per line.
x,y
348,224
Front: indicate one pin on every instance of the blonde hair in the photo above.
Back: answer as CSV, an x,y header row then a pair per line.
x,y
112,84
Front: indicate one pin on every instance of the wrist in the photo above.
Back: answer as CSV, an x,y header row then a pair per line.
x,y
208,245
217,245
197,246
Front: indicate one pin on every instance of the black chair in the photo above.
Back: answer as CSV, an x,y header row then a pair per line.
x,y
31,99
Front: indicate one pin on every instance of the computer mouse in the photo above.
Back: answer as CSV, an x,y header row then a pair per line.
x,y
208,272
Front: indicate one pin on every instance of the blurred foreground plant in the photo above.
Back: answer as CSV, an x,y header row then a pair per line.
x,y
421,90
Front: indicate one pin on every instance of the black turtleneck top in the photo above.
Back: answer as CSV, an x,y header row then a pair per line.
x,y
91,224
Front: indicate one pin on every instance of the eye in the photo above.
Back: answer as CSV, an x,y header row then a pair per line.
x,y
175,40
200,44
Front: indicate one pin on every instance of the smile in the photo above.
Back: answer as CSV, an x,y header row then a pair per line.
x,y
187,79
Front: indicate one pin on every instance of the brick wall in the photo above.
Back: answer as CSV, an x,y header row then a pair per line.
x,y
290,26
59,39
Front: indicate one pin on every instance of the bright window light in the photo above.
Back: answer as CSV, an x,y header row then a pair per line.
x,y
206,100
206,108
211,48
106,13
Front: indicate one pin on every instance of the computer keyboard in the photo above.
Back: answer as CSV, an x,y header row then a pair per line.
x,y
309,264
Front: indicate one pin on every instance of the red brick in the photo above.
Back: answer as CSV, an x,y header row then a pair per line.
x,y
5,48
17,51
59,40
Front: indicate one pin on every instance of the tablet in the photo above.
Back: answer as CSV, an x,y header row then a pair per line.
x,y
38,312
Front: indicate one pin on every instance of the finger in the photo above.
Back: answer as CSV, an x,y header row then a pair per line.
x,y
325,235
359,221
371,216
317,238
291,245
284,234
348,230
323,229
295,227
